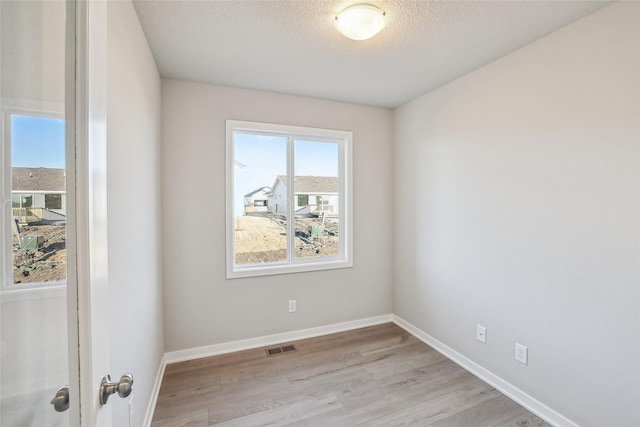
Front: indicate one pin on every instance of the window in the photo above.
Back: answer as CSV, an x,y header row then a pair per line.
x,y
21,200
295,166
27,201
34,245
53,201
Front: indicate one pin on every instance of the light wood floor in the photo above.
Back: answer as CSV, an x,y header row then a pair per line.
x,y
376,376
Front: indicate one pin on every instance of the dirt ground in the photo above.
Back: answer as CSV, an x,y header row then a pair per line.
x,y
48,263
263,238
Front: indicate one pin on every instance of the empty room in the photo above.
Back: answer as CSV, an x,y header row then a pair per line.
x,y
320,213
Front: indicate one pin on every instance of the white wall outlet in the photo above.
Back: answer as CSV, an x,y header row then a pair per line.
x,y
292,306
522,353
481,334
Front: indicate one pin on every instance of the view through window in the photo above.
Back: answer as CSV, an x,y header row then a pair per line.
x,y
289,208
38,199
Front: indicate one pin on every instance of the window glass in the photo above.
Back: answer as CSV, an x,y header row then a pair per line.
x,y
260,168
38,245
27,201
53,201
317,226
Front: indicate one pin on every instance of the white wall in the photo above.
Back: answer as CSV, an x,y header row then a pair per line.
x,y
201,306
135,276
529,225
277,202
33,51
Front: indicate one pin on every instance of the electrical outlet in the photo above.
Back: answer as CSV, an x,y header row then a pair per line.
x,y
292,306
481,334
522,353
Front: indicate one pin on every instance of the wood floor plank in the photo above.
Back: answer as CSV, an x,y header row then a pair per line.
x,y
198,418
437,408
230,410
405,361
231,393
375,376
523,419
337,363
492,412
367,408
285,415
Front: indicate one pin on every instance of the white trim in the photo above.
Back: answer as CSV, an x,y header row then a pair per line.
x,y
17,293
38,191
73,35
247,344
6,234
314,264
32,107
155,391
90,256
490,378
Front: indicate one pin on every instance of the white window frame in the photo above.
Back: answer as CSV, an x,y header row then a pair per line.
x,y
344,259
22,108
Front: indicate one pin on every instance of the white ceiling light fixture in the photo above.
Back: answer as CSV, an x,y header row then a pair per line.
x,y
361,21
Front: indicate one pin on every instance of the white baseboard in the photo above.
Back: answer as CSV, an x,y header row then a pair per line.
x,y
498,383
154,392
233,346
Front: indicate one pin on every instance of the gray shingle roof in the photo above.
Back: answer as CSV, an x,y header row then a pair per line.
x,y
37,179
314,184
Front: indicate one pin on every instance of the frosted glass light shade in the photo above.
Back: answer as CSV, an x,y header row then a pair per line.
x,y
360,21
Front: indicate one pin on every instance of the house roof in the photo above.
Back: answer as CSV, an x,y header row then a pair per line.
x,y
37,179
265,189
313,184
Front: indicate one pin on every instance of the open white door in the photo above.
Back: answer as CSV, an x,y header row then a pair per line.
x,y
54,328
38,336
91,256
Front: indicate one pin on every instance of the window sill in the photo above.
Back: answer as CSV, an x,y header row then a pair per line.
x,y
33,292
275,269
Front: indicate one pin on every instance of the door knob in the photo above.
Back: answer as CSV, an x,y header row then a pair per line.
x,y
123,387
61,400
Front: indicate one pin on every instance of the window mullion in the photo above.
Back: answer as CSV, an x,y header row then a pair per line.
x,y
291,231
6,249
342,201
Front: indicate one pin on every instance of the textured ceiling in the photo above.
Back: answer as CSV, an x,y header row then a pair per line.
x,y
292,46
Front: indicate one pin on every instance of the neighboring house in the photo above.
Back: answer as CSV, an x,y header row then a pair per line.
x,y
256,201
314,195
38,194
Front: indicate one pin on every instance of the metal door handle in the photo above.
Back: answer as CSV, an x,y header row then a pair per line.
x,y
123,387
61,400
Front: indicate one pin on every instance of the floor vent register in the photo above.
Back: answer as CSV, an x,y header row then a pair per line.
x,y
280,350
